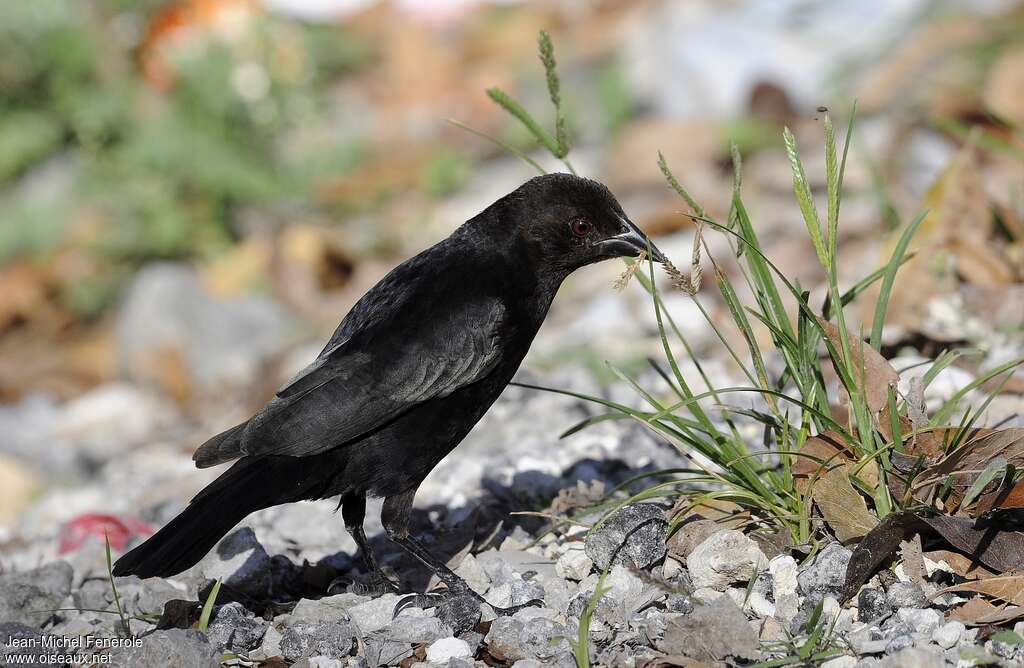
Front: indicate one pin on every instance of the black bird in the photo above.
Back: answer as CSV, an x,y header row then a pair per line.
x,y
408,372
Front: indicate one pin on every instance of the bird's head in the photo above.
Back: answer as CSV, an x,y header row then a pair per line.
x,y
569,222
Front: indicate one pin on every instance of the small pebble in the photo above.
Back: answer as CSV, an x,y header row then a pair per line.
x,y
949,634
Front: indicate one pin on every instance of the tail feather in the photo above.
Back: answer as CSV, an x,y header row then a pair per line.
x,y
221,448
212,513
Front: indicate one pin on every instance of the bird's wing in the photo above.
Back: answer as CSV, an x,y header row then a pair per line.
x,y
358,386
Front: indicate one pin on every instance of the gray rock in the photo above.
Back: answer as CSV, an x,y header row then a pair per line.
x,y
139,597
241,563
1005,649
635,534
470,570
459,613
384,651
679,603
329,607
725,557
496,568
173,648
921,620
511,639
825,575
409,629
235,629
375,614
949,634
906,595
151,596
331,638
872,604
24,595
574,565
13,638
914,657
649,625
899,643
557,592
711,632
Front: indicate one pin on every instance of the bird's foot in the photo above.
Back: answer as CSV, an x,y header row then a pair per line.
x,y
457,590
377,584
511,610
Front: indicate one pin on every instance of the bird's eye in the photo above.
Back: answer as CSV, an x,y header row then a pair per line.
x,y
581,227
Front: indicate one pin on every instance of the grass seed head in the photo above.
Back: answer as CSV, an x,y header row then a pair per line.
x,y
623,280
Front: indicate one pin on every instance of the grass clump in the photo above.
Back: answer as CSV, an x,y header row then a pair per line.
x,y
794,404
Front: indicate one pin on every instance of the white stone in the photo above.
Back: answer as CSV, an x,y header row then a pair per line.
x,y
949,634
723,558
375,614
671,568
574,565
760,605
784,571
325,662
473,573
441,650
707,594
840,662
922,620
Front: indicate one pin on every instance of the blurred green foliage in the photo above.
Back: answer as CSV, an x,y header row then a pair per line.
x,y
158,171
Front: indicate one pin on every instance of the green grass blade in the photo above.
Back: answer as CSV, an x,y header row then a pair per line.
x,y
503,100
890,278
204,616
804,197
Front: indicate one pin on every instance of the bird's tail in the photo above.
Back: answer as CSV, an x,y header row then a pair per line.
x,y
240,490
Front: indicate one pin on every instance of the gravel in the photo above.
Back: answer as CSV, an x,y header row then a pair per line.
x,y
686,595
327,637
635,535
173,648
723,558
26,596
825,575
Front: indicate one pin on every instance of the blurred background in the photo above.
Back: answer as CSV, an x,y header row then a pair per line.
x,y
193,192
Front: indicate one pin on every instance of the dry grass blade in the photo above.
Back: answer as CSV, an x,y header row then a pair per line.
x,y
688,284
623,280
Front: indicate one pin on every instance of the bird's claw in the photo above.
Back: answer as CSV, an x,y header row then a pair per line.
x,y
417,601
511,610
376,585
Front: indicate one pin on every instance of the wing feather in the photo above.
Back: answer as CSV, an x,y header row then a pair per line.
x,y
358,392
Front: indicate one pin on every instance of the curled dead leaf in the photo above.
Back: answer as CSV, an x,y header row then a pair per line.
x,y
873,373
842,506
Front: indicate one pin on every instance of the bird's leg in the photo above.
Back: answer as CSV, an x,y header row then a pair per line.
x,y
395,518
353,511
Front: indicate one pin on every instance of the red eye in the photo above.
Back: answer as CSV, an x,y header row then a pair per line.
x,y
580,227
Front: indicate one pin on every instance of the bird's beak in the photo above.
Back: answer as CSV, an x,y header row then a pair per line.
x,y
630,243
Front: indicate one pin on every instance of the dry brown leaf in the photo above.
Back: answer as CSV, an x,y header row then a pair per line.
x,y
868,366
979,612
1005,82
967,462
1012,497
842,506
913,559
826,449
1008,588
961,564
